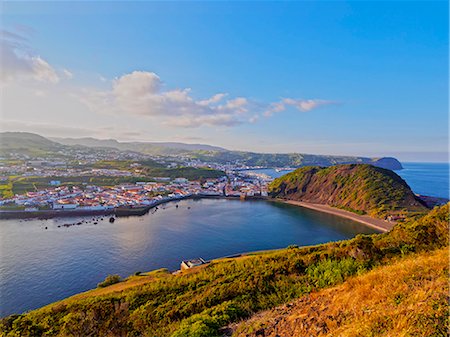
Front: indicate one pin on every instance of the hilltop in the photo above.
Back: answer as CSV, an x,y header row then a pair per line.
x,y
203,301
27,143
23,142
144,147
363,189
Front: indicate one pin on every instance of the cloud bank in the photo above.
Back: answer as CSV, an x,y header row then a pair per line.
x,y
142,93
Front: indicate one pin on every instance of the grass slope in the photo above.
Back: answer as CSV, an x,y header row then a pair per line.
x,y
202,301
27,143
358,188
407,298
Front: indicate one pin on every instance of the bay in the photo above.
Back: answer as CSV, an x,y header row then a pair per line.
x,y
40,266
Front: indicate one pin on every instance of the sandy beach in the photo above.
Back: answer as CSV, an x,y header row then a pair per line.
x,y
378,224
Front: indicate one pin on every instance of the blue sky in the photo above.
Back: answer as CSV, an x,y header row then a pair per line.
x,y
356,78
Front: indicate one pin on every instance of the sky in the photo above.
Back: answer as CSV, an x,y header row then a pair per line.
x,y
339,77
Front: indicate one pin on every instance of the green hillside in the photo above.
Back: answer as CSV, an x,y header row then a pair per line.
x,y
27,143
291,159
32,144
202,301
358,188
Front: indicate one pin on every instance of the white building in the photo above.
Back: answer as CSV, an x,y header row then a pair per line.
x,y
181,181
64,206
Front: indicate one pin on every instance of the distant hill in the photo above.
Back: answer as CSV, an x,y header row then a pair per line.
x,y
358,188
144,147
23,142
293,159
27,143
220,155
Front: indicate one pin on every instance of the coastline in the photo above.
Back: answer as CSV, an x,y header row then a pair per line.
x,y
118,211
378,224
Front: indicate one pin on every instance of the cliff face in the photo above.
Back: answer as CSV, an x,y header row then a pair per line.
x,y
358,188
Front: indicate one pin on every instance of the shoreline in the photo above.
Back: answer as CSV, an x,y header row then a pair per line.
x,y
378,224
118,211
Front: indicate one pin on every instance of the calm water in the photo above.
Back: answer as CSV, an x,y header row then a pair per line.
x,y
430,179
40,266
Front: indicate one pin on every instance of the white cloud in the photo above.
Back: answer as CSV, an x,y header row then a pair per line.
x,y
18,62
68,74
302,105
141,93
42,71
214,99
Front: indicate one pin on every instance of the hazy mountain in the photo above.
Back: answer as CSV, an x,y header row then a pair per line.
x,y
144,147
29,143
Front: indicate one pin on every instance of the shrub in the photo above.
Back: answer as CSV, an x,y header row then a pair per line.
x,y
207,323
329,272
109,280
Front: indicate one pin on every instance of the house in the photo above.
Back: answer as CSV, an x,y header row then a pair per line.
x,y
55,182
188,264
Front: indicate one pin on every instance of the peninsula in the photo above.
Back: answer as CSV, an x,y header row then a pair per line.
x,y
361,189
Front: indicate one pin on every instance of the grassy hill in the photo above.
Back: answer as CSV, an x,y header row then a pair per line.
x,y
27,143
357,188
202,301
154,148
291,159
407,298
32,144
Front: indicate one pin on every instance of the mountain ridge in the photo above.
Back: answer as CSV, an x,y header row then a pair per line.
x,y
95,142
11,142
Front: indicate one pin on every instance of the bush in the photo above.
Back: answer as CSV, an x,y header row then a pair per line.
x,y
329,272
207,323
109,280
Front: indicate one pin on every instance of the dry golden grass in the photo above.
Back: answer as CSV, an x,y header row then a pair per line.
x,y
407,298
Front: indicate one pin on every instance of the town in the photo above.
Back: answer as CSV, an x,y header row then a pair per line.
x,y
89,184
